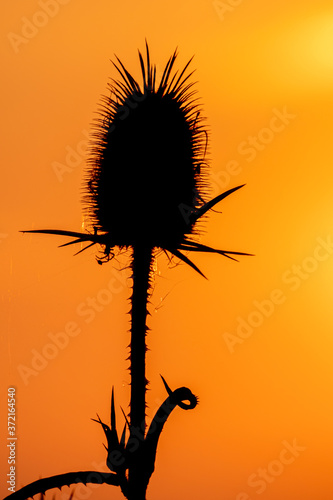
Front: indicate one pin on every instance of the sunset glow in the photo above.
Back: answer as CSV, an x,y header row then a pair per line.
x,y
254,341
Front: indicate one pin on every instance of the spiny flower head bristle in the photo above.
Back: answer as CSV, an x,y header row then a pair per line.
x,y
146,168
146,181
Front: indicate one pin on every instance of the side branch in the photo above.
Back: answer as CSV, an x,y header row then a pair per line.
x,y
177,397
47,483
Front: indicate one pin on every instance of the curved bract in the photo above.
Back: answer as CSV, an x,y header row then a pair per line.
x,y
188,245
175,398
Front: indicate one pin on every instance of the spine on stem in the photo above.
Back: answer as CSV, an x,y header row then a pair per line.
x,y
141,272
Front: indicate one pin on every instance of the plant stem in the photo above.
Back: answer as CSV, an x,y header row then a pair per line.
x,y
141,272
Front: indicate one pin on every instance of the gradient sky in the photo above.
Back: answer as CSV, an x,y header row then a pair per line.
x,y
255,340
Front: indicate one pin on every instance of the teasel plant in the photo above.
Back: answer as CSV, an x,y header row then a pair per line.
x,y
145,191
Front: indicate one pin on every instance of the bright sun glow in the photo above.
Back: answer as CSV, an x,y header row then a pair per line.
x,y
304,53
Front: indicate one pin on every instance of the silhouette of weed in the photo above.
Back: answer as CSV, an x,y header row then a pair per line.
x,y
145,191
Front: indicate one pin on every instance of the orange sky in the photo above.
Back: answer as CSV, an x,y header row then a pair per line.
x,y
255,340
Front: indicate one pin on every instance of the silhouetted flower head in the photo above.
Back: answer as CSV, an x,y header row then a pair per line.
x,y
147,174
146,168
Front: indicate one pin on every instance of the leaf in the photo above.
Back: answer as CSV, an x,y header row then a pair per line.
x,y
185,259
207,206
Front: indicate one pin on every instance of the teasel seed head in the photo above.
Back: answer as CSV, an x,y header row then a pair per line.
x,y
147,166
146,181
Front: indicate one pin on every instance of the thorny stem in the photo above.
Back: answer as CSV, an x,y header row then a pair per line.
x,y
141,269
141,272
